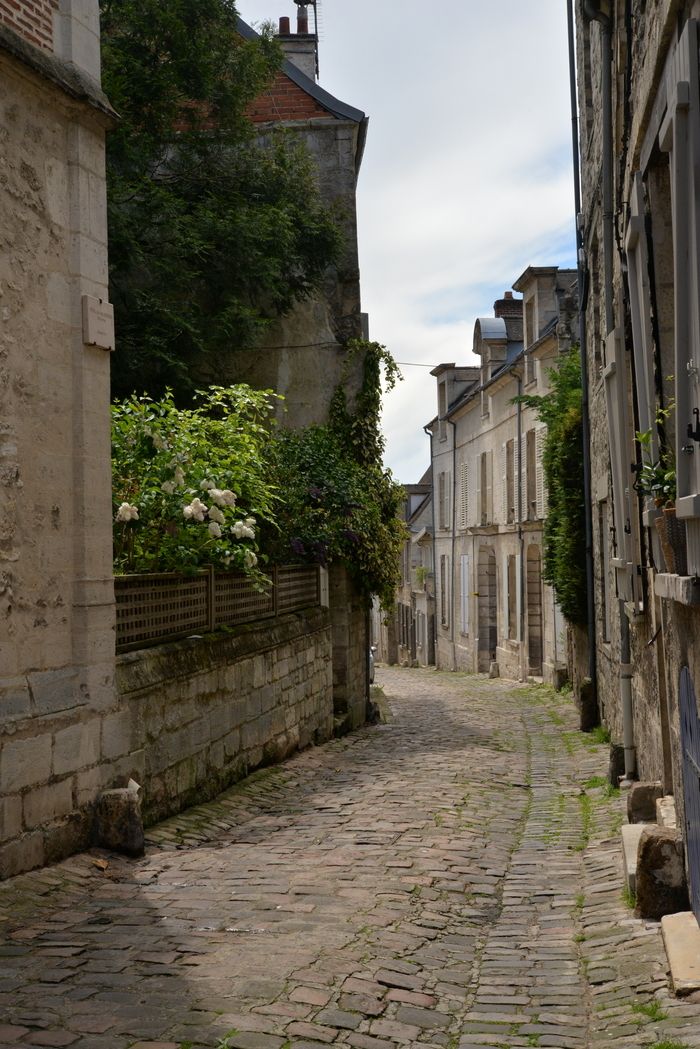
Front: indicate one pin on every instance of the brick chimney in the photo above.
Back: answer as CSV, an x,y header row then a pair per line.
x,y
300,48
508,306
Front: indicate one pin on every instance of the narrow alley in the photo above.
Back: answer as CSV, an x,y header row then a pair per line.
x,y
451,877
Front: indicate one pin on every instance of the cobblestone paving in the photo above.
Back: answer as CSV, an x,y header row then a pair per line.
x,y
449,879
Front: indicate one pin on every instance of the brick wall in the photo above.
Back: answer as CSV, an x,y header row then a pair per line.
x,y
284,101
33,19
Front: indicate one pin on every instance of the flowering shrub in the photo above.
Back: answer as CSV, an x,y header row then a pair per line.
x,y
190,484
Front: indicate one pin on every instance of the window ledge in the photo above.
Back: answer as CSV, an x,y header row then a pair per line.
x,y
683,589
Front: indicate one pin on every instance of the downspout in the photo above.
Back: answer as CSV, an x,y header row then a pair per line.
x,y
521,533
585,386
593,10
452,529
429,433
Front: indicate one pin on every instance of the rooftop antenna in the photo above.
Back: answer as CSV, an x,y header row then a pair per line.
x,y
302,5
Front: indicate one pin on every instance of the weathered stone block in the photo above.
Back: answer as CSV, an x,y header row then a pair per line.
x,y
641,802
22,854
10,817
661,883
116,734
14,699
24,763
47,803
76,747
55,690
118,823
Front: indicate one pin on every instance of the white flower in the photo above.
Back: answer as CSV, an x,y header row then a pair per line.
x,y
250,559
158,443
216,515
206,485
214,530
168,487
228,498
194,510
127,512
179,475
241,530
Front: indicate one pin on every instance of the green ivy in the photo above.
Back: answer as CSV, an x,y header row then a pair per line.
x,y
338,503
561,409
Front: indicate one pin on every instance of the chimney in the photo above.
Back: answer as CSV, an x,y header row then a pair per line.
x,y
300,48
508,306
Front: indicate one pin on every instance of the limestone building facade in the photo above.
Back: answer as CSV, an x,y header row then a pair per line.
x,y
493,611
639,134
56,590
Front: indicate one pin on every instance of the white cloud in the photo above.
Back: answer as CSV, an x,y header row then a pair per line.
x,y
466,176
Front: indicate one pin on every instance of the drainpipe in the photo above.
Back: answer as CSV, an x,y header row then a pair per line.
x,y
592,9
429,433
586,422
452,529
521,533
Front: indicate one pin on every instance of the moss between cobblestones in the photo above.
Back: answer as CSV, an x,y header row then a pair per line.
x,y
651,1010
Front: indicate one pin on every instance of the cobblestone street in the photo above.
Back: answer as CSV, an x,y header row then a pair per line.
x,y
451,878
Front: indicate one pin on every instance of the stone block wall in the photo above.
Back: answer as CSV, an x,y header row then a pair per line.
x,y
199,715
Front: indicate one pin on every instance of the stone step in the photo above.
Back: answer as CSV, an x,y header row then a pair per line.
x,y
681,934
666,812
631,833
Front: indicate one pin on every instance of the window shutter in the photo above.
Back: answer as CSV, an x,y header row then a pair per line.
x,y
640,308
442,516
522,479
463,496
621,458
540,488
504,483
489,487
680,137
464,593
449,523
477,513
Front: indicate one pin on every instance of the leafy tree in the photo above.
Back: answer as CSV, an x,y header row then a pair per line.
x,y
212,233
564,565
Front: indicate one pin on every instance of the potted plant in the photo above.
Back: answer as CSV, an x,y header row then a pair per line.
x,y
656,481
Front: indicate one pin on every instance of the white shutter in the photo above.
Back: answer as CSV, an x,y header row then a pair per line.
x,y
504,482
521,479
489,487
541,491
442,514
619,442
463,521
464,593
477,508
680,137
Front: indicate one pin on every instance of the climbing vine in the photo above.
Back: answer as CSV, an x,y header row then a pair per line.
x,y
561,410
339,503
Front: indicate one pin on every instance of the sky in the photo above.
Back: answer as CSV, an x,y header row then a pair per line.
x,y
466,178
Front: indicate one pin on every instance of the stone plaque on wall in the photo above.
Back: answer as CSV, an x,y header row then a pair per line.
x,y
98,323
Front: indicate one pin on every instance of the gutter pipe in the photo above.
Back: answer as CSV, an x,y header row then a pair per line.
x,y
586,422
592,10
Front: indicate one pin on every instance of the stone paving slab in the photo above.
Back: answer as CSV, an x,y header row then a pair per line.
x,y
449,879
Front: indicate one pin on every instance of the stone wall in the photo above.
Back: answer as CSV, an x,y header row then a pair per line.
x,y
191,718
199,715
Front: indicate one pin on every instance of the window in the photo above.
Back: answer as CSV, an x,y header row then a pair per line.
x,y
509,507
444,590
442,410
444,500
512,597
464,594
484,493
531,476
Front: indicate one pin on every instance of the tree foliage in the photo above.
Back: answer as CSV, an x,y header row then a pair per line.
x,y
561,409
338,503
212,233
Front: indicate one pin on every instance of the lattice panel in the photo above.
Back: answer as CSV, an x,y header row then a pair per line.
x,y
297,587
237,601
151,607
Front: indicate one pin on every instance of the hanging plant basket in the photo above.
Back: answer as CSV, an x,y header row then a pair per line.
x,y
673,541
